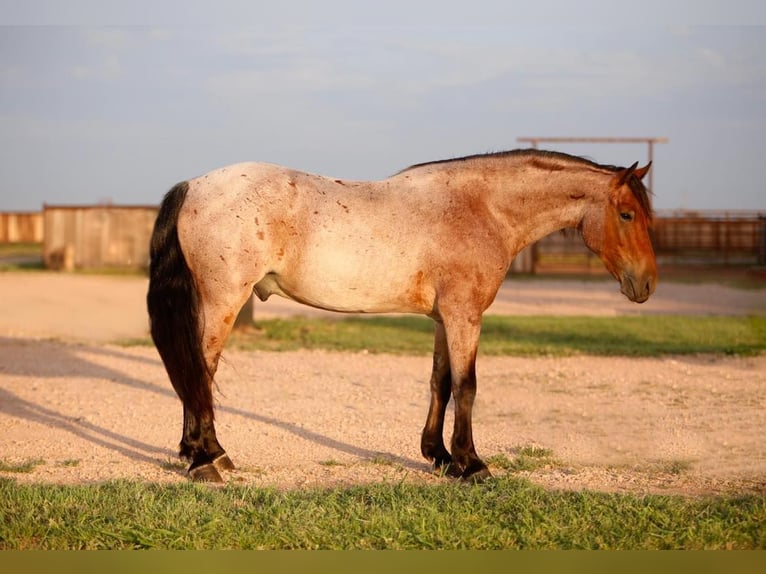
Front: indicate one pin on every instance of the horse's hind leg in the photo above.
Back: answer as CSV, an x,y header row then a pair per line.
x,y
199,442
200,445
194,295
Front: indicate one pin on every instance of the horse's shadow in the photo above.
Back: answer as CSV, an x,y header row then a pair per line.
x,y
41,359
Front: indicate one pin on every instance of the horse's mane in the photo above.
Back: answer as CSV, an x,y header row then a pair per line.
x,y
554,158
539,154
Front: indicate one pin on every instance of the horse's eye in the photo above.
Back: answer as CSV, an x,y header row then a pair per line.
x,y
626,216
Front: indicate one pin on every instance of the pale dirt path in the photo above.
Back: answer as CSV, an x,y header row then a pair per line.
x,y
94,411
95,308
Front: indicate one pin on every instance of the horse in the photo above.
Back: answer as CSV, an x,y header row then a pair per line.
x,y
435,239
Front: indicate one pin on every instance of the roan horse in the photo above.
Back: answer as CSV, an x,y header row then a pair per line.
x,y
435,239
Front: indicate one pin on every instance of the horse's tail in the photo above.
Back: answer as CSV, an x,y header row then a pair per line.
x,y
174,314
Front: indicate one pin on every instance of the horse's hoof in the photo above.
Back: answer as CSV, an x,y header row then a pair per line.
x,y
205,473
476,476
223,462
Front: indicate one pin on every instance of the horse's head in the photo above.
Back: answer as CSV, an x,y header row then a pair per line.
x,y
619,233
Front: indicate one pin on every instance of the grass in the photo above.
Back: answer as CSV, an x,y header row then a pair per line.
x,y
21,249
21,257
15,257
528,458
646,336
503,513
20,467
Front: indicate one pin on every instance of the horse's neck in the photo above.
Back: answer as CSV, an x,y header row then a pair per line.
x,y
536,202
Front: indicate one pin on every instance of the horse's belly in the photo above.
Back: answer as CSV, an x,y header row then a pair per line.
x,y
349,293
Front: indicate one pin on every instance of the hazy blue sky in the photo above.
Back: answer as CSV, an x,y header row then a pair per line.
x,y
117,102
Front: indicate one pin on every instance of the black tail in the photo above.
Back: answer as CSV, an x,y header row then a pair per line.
x,y
173,307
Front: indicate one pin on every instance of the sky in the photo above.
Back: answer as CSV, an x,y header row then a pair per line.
x,y
114,102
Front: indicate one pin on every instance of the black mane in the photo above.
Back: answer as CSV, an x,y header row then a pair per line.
x,y
541,154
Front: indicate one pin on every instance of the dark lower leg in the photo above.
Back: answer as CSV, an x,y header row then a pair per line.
x,y
432,441
470,466
200,445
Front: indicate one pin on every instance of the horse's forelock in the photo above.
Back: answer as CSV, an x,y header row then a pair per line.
x,y
642,195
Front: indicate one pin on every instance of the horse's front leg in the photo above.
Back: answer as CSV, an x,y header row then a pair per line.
x,y
463,342
432,440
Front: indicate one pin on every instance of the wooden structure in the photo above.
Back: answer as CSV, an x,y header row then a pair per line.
x,y
21,227
723,237
679,238
97,236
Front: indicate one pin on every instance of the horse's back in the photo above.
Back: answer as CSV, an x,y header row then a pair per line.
x,y
234,182
330,243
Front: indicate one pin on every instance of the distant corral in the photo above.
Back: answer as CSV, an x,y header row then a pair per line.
x,y
97,236
21,227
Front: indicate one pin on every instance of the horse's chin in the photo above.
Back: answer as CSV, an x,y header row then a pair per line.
x,y
637,290
635,299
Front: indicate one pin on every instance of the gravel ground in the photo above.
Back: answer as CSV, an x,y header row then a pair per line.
x,y
88,410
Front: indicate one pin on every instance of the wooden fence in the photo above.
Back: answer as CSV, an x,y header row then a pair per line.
x,y
21,227
731,237
97,237
679,238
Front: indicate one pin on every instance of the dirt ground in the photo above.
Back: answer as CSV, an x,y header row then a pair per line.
x,y
87,410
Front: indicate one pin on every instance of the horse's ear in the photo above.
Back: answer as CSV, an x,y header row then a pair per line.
x,y
623,175
642,171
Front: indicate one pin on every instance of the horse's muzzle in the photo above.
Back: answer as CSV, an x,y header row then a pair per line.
x,y
637,288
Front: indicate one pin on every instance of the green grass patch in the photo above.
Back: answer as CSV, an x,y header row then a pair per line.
x,y
527,458
21,249
21,257
640,336
502,513
676,466
20,467
173,465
